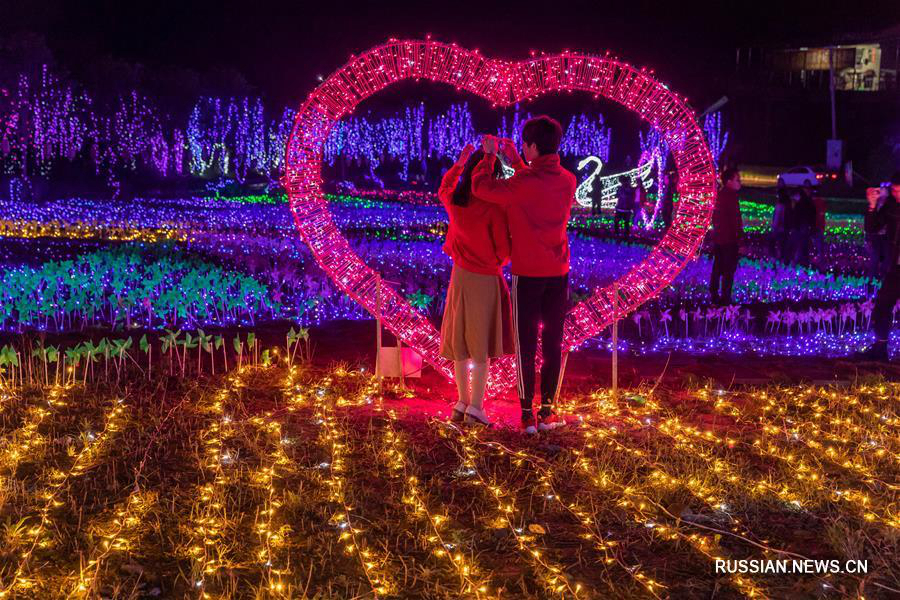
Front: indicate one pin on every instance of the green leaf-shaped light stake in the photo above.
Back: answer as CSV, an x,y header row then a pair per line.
x,y
238,349
220,343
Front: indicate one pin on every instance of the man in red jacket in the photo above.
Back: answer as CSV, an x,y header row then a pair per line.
x,y
538,201
727,237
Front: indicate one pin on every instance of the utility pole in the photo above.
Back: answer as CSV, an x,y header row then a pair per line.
x,y
831,91
834,151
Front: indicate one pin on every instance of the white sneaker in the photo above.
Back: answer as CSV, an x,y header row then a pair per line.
x,y
528,427
477,416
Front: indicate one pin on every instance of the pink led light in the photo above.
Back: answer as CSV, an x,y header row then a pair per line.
x,y
502,83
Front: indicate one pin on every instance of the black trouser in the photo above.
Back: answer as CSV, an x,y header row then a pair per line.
x,y
800,246
879,249
883,312
539,300
779,245
625,217
725,262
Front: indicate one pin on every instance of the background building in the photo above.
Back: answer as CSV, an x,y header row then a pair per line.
x,y
780,107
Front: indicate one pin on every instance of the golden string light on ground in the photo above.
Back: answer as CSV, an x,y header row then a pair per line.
x,y
93,445
114,537
643,509
26,442
702,443
821,428
810,478
551,576
586,518
208,547
394,455
639,501
267,477
333,439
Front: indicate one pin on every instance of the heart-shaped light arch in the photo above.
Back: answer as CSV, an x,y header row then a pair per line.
x,y
502,83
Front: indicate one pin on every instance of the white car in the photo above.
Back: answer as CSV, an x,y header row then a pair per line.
x,y
800,176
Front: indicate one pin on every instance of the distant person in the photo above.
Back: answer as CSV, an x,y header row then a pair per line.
x,y
878,244
668,191
818,231
780,226
643,209
727,237
596,198
802,226
538,200
624,214
477,324
884,215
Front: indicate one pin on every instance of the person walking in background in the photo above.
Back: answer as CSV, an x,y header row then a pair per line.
x,y
878,244
727,237
780,227
883,214
818,231
668,191
538,201
596,199
624,214
803,222
477,324
644,209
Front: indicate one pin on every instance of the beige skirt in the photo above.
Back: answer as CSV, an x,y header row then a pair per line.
x,y
477,317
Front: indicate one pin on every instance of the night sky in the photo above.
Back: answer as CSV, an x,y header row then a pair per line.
x,y
280,47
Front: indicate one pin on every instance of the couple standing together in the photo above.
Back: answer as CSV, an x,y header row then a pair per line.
x,y
521,220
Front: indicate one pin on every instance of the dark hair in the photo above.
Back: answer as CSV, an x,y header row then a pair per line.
x,y
543,131
895,178
462,193
729,174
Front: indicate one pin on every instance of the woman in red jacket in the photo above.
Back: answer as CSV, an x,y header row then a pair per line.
x,y
477,323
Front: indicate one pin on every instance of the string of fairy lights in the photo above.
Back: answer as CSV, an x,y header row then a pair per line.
x,y
94,445
805,472
822,443
119,534
33,230
208,546
27,440
642,509
609,548
114,539
617,472
473,582
811,488
810,478
270,525
49,121
551,576
411,139
333,439
647,413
